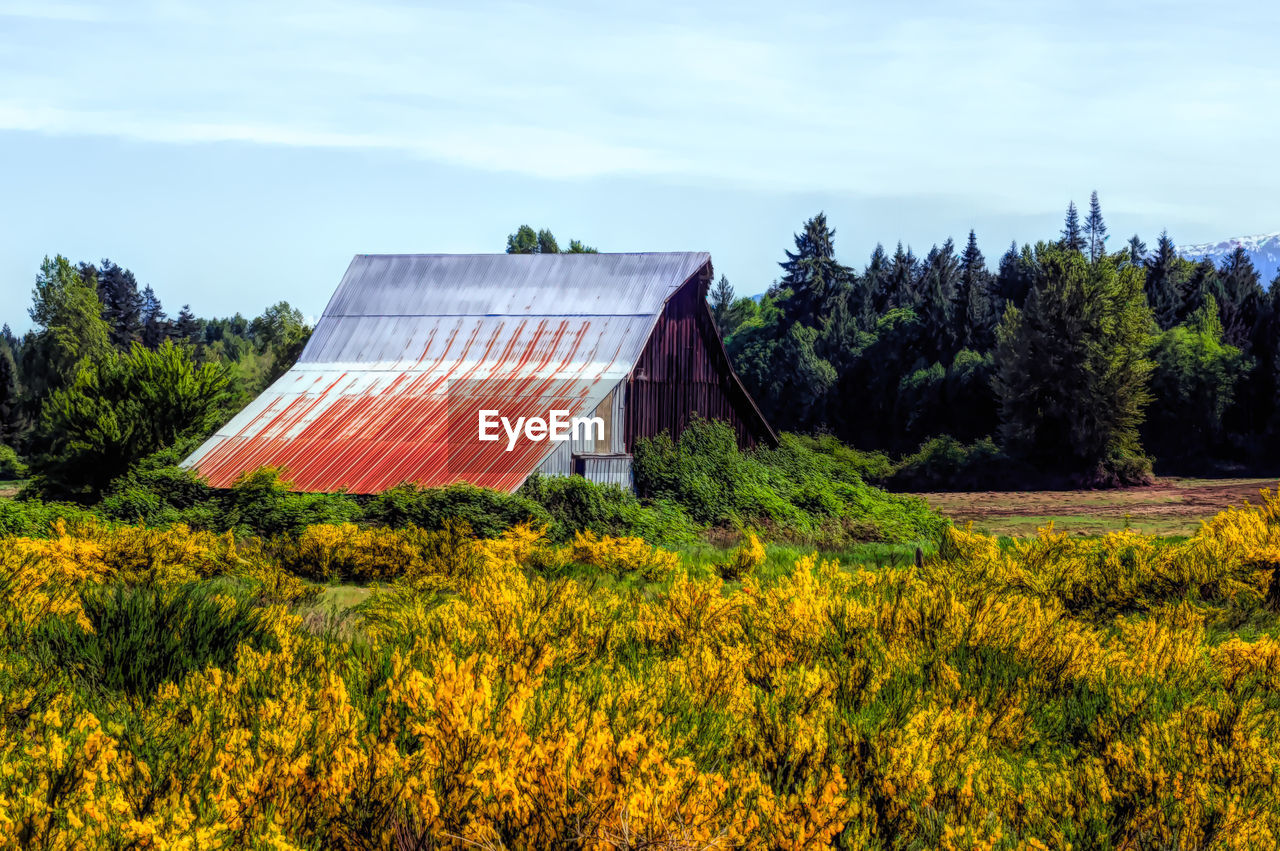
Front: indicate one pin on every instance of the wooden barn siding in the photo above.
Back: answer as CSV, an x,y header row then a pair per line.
x,y
686,370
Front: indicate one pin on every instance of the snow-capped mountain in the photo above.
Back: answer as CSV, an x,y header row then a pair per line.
x,y
1263,249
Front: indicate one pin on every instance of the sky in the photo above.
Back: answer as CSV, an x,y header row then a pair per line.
x,y
236,154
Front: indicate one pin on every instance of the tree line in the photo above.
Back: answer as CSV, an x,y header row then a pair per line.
x,y
1066,363
105,377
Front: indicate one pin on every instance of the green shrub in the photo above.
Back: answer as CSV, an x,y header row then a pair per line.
x,y
122,407
488,512
11,466
805,489
33,518
944,463
871,467
576,504
162,495
144,636
261,503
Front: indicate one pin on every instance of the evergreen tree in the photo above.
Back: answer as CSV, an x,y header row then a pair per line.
x,y
1241,295
10,395
721,300
122,407
974,311
121,304
901,279
187,328
812,273
1015,277
576,246
1137,251
547,243
1165,283
1072,371
1072,238
156,327
1201,281
876,281
1095,229
523,241
841,336
940,273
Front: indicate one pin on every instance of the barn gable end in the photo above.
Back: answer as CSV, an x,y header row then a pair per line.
x,y
685,372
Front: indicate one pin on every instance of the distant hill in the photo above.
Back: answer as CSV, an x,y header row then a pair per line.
x,y
1264,250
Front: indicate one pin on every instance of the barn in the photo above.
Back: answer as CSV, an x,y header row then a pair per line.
x,y
416,352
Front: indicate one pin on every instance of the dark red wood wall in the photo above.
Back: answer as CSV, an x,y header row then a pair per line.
x,y
684,371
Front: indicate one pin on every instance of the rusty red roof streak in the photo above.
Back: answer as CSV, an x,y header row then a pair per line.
x,y
405,407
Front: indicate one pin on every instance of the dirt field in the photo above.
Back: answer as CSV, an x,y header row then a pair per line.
x,y
1169,507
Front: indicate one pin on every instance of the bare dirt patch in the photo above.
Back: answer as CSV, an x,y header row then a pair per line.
x,y
1169,507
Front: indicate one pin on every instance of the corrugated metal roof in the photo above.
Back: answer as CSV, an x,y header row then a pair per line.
x,y
412,347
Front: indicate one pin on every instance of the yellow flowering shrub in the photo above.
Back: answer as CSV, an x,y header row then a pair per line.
x,y
745,559
622,555
1056,693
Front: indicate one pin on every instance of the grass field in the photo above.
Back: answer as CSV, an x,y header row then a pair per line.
x,y
1171,507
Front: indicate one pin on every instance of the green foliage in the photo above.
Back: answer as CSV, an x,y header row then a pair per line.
x,y
1193,384
158,492
260,502
528,241
279,334
33,518
11,414
1072,371
721,297
145,636
873,467
576,504
811,273
488,512
798,489
66,309
121,408
11,466
944,463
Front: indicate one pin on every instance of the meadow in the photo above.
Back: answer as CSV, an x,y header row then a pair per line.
x,y
1171,507
341,685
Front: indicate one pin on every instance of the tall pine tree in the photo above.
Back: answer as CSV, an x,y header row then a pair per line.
x,y
1015,277
876,280
1095,230
812,273
721,300
121,304
974,313
1137,251
939,277
155,324
1240,295
1072,237
1165,283
901,279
